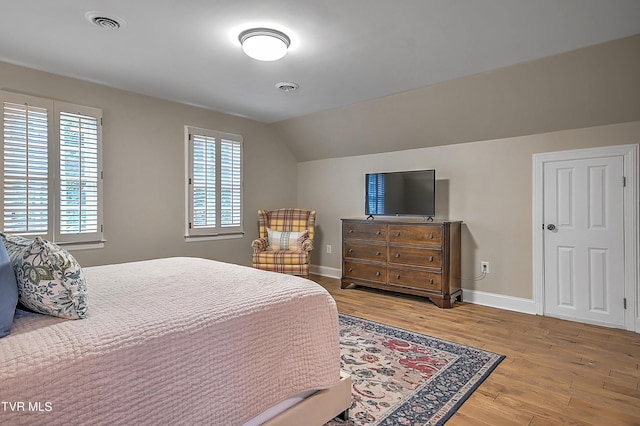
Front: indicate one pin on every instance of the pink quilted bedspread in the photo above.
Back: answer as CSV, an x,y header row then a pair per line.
x,y
171,341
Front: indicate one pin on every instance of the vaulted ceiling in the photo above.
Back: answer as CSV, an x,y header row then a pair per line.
x,y
341,53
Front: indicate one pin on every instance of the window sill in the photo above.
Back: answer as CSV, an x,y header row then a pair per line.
x,y
195,238
82,246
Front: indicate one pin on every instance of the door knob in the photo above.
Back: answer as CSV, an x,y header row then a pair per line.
x,y
551,227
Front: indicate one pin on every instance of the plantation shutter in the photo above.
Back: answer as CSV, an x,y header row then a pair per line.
x,y
204,182
230,184
25,189
79,192
214,183
51,169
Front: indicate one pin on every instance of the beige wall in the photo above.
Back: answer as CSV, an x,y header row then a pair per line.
x,y
144,169
588,87
486,184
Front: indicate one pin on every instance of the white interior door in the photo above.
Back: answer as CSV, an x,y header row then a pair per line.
x,y
584,261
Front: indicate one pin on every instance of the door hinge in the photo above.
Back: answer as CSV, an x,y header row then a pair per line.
x,y
101,121
101,227
624,181
189,225
625,302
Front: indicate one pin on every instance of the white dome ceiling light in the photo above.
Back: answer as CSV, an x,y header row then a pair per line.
x,y
264,44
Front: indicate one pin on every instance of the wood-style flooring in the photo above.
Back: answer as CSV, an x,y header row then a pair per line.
x,y
556,372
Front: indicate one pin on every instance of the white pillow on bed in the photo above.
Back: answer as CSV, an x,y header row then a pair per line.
x,y
284,240
50,280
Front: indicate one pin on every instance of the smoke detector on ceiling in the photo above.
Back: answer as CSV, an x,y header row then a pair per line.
x,y
103,20
287,87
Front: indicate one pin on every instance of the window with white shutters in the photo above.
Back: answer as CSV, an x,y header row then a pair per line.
x,y
52,183
214,183
79,191
26,167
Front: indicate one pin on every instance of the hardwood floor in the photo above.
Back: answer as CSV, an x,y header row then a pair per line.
x,y
556,372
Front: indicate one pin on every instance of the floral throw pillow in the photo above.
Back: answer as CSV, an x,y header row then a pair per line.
x,y
50,280
282,240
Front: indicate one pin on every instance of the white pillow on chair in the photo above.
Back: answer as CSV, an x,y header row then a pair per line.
x,y
284,240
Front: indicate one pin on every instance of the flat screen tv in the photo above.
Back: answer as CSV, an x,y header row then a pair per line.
x,y
401,193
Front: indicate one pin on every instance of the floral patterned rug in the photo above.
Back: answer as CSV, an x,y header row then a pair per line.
x,y
405,378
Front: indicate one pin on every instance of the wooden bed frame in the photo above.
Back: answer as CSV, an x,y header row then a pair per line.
x,y
318,408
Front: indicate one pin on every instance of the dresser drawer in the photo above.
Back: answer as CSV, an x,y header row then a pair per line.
x,y
416,234
428,258
365,271
365,231
416,279
376,253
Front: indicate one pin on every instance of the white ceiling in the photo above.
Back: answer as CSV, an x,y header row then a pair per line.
x,y
342,51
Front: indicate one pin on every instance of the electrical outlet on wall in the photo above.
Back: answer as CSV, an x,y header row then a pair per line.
x,y
329,248
484,267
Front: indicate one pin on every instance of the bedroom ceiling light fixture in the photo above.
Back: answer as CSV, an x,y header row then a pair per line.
x,y
264,44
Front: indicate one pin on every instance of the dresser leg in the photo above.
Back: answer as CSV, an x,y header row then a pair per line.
x,y
447,301
441,302
344,284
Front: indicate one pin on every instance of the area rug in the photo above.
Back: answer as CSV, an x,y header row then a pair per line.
x,y
405,378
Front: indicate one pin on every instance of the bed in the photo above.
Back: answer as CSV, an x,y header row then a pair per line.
x,y
179,341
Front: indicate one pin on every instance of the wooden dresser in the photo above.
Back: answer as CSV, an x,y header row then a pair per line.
x,y
406,256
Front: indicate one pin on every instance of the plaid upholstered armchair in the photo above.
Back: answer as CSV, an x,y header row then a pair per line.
x,y
285,240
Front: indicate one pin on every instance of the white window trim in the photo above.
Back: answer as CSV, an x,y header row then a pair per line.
x,y
80,237
218,232
71,241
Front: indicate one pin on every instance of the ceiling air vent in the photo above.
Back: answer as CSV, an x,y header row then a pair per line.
x,y
287,87
103,21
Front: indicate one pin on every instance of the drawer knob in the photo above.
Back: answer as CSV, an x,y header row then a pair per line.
x,y
430,258
351,231
378,253
350,269
397,234
378,274
397,255
397,276
430,280
350,250
377,232
431,236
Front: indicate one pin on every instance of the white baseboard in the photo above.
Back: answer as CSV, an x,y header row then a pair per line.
x,y
508,303
326,271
